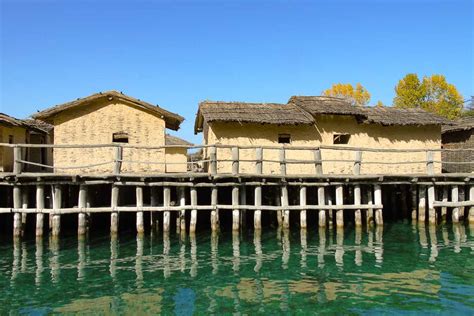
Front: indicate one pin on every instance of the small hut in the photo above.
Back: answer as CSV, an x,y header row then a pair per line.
x,y
16,131
177,155
459,136
320,120
107,118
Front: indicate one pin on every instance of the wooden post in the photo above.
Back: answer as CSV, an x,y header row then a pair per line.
x,y
284,204
214,211
370,201
461,197
444,209
318,162
378,201
57,203
39,209
182,213
17,215
194,202
17,165
257,215
166,213
357,201
414,202
321,201
421,203
213,160
429,162
81,217
243,202
139,201
118,159
303,223
153,202
259,160
339,201
431,209
357,162
471,209
24,205
235,160
235,211
282,161
114,217
455,198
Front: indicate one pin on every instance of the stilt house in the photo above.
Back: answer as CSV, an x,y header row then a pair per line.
x,y
459,136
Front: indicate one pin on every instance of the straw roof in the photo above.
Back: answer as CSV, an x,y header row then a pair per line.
x,y
261,113
40,125
463,124
34,125
172,120
10,120
173,140
325,105
397,116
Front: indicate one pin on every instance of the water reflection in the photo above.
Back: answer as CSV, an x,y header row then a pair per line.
x,y
225,272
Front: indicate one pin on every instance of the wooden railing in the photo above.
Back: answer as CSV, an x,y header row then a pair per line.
x,y
225,159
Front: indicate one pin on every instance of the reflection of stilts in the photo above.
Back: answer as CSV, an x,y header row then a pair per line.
x,y
286,248
138,262
16,257
378,249
113,257
433,242
358,241
339,253
81,258
24,257
422,235
39,260
166,252
257,241
215,252
235,251
182,253
54,260
457,237
304,247
194,262
322,246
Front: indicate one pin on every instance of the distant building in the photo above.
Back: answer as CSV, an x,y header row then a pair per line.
x,y
107,118
177,157
16,131
459,136
315,121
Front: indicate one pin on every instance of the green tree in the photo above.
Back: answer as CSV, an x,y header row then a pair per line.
x,y
357,95
433,94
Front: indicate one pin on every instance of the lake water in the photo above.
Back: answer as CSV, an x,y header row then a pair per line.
x,y
401,269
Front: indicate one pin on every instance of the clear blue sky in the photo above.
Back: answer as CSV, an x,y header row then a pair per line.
x,y
177,53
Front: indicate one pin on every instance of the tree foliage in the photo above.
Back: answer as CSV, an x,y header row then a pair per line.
x,y
433,94
357,95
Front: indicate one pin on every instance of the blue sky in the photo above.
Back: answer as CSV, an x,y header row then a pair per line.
x,y
177,53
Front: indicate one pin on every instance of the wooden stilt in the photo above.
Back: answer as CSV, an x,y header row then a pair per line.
x,y
57,203
235,211
444,209
257,215
39,208
461,198
378,201
471,209
139,201
421,203
404,200
339,201
194,202
24,205
455,198
279,213
243,201
182,213
329,199
114,217
284,204
166,203
321,201
357,201
16,215
414,202
431,209
154,201
81,217
214,211
370,201
303,223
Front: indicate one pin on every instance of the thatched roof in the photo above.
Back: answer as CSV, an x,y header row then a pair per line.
x,y
34,125
172,120
173,140
10,120
463,124
398,116
261,113
40,125
325,105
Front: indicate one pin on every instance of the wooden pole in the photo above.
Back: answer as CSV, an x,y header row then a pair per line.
x,y
243,202
303,223
39,207
370,201
153,202
321,201
182,213
257,215
455,198
17,215
318,162
339,201
17,165
214,211
421,203
114,217
378,201
471,209
461,198
235,211
194,202
444,209
282,161
213,160
166,203
57,203
414,202
357,201
139,201
431,209
81,217
284,204
24,205
235,160
118,159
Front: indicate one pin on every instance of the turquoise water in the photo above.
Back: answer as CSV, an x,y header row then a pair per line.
x,y
402,269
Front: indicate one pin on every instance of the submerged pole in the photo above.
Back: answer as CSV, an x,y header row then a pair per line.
x,y
81,217
357,201
378,201
114,217
257,215
235,211
39,209
303,223
321,201
194,202
214,211
339,202
431,209
182,213
166,213
139,201
284,204
421,203
455,198
16,215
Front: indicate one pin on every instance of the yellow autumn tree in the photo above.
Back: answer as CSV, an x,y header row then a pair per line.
x,y
357,95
